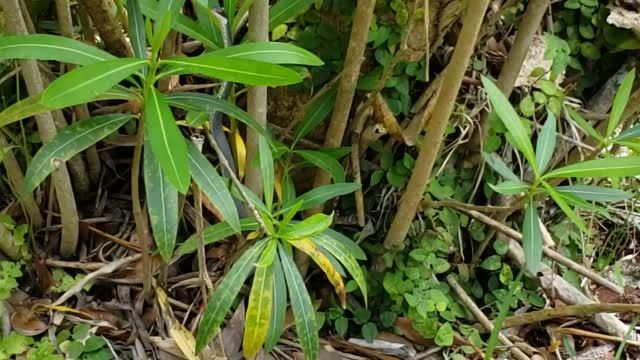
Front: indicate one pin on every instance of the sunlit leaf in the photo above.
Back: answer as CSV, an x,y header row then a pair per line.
x,y
69,142
259,308
182,23
546,142
86,83
510,119
595,193
168,144
303,311
162,205
213,186
620,101
607,168
511,187
285,10
249,72
532,239
308,247
222,299
324,162
270,52
267,170
51,47
310,226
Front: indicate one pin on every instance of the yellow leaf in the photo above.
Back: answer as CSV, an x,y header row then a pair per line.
x,y
278,184
184,340
258,316
308,247
62,309
241,155
253,235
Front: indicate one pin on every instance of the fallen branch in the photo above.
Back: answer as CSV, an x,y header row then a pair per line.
x,y
567,311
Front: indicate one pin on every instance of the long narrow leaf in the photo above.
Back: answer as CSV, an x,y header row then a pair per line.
x,y
137,33
51,47
584,124
258,316
222,299
211,183
310,226
344,255
167,142
620,102
510,187
510,119
609,167
182,23
496,163
69,142
320,195
546,142
285,10
595,193
317,112
559,200
278,306
208,22
270,52
308,247
249,72
267,170
162,205
349,244
324,162
86,83
303,312
631,133
532,239
213,234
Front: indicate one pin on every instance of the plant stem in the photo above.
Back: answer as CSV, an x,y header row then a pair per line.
x,y
568,311
256,96
207,285
446,100
47,130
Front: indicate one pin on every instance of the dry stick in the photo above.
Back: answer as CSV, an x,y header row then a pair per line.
x,y
429,150
480,316
509,232
586,333
107,269
360,120
142,233
207,285
108,27
344,99
16,179
567,311
47,130
65,22
511,68
256,95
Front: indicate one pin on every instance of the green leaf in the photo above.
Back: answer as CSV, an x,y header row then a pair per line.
x,y
607,168
620,101
631,133
222,299
182,23
69,142
342,326
162,205
303,312
267,170
369,331
344,255
213,186
285,10
137,33
259,308
527,107
51,47
171,7
351,245
85,83
230,7
496,163
208,22
546,142
270,52
445,335
532,239
595,193
317,112
207,103
310,226
511,120
584,124
324,162
278,306
167,143
492,263
560,201
511,187
215,233
320,195
248,72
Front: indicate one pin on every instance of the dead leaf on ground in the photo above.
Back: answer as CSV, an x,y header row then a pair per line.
x,y
232,334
